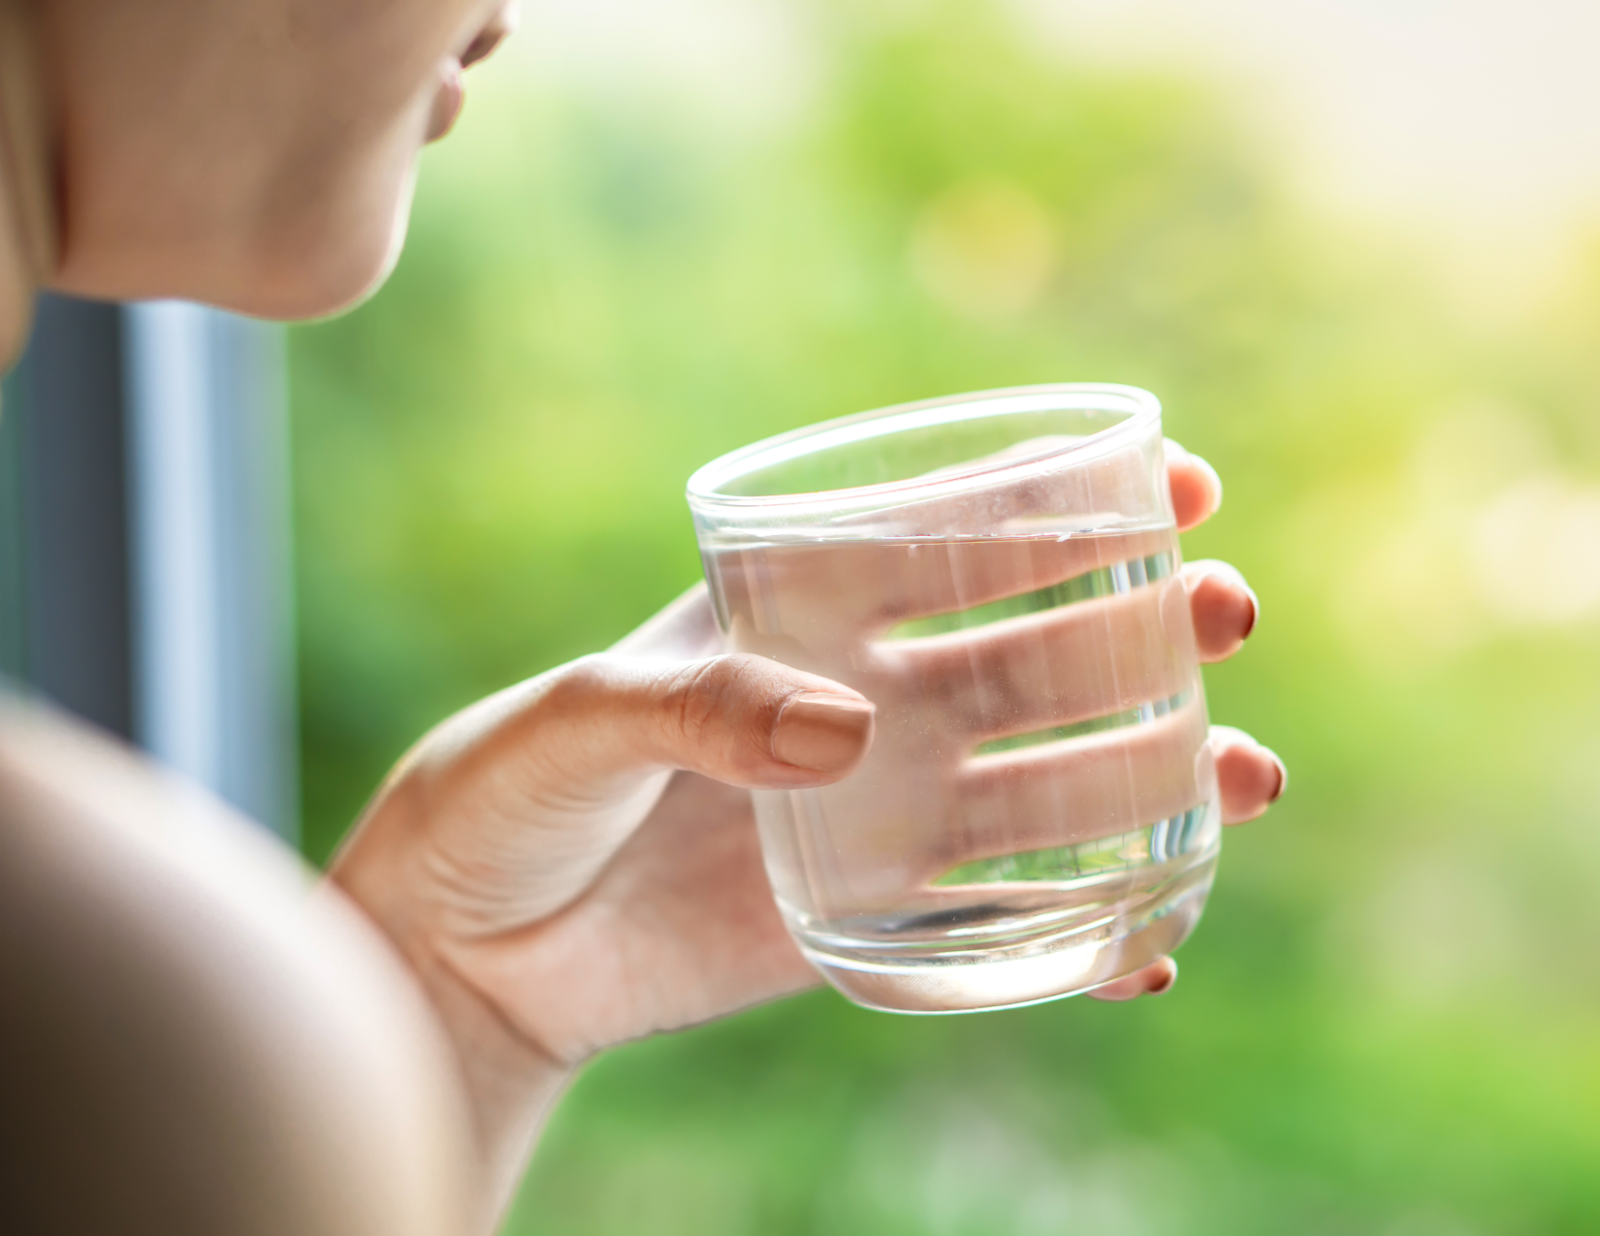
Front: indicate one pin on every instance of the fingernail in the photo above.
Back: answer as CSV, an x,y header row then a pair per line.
x,y
1283,777
1163,984
1255,611
1229,577
822,732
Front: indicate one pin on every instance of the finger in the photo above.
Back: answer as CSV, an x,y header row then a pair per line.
x,y
866,587
1070,664
1251,777
1080,789
1154,980
744,720
1113,481
980,571
1196,488
1225,608
877,581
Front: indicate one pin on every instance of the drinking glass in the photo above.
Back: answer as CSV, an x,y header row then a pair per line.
x,y
1038,813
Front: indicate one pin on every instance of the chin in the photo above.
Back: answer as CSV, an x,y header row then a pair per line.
x,y
299,282
318,259
321,268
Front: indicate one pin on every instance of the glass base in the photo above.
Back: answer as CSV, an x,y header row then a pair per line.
x,y
972,974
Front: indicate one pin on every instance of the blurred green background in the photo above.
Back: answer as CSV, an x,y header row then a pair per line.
x,y
1389,1021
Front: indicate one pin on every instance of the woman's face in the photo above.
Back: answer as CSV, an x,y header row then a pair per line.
x,y
253,154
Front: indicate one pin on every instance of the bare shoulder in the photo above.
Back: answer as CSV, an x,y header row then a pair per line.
x,y
195,1032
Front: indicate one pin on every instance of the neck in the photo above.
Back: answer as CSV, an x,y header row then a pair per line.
x,y
27,229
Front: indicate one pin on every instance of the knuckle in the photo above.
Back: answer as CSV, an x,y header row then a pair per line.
x,y
702,697
574,684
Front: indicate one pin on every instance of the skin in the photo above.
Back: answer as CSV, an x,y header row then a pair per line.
x,y
257,156
565,865
569,864
196,1040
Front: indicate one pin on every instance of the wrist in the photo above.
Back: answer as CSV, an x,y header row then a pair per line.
x,y
511,1081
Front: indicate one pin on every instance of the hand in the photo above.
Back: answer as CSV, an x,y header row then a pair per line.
x,y
572,863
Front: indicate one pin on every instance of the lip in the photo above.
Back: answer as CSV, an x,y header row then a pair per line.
x,y
448,97
494,33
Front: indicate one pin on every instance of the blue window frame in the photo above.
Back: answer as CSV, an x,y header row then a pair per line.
x,y
145,578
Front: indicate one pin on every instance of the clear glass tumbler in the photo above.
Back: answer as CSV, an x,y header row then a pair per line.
x,y
1038,814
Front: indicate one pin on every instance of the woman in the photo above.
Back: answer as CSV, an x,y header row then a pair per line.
x,y
193,1040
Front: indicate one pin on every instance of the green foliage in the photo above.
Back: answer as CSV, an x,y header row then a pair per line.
x,y
1386,1020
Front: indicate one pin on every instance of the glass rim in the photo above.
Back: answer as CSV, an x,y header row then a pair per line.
x,y
1143,408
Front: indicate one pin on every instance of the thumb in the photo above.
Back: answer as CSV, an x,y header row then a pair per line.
x,y
740,719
